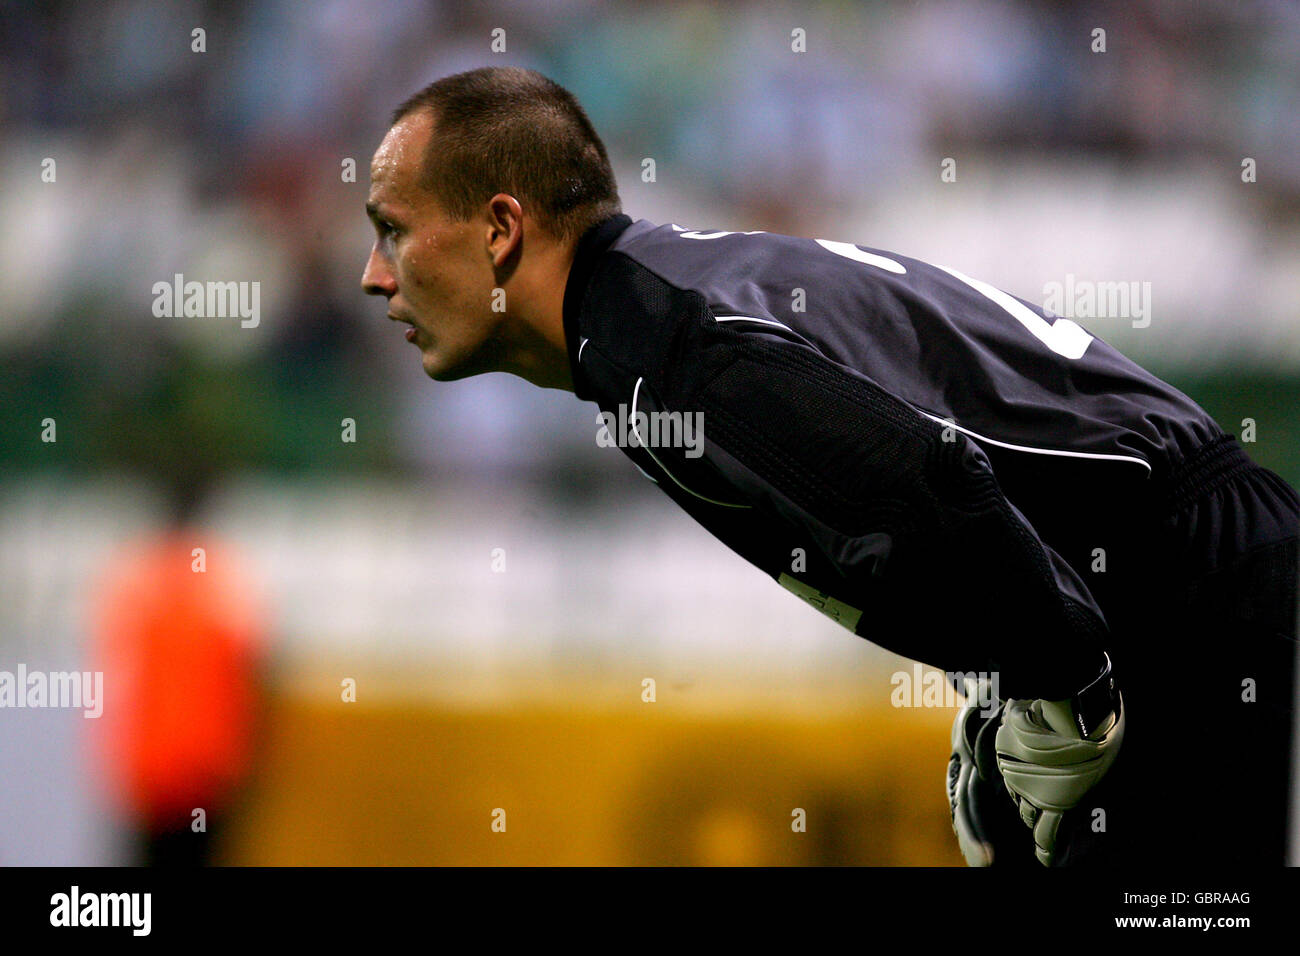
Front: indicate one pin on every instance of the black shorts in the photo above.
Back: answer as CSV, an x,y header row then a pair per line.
x,y
1203,642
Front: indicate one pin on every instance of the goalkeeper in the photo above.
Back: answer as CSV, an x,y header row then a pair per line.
x,y
941,467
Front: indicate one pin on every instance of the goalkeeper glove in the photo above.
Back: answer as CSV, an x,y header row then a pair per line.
x,y
970,770
1051,753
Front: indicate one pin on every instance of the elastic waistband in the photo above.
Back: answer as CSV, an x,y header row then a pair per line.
x,y
1215,463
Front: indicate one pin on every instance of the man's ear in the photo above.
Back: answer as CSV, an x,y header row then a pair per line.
x,y
505,228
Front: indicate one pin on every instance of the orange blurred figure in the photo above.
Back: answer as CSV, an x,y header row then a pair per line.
x,y
178,633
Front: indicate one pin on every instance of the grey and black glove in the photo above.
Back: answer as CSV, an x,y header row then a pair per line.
x,y
985,821
1052,753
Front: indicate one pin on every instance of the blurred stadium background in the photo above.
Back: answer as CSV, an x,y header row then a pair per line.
x,y
520,688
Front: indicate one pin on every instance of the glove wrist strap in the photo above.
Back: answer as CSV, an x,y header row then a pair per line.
x,y
1093,705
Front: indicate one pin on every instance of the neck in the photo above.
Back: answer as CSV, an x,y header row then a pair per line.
x,y
540,354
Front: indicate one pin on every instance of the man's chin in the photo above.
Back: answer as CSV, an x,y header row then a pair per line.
x,y
436,371
441,370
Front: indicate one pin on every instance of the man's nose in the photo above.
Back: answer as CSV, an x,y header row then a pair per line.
x,y
377,279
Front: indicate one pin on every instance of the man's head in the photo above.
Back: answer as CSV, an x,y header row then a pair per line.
x,y
484,181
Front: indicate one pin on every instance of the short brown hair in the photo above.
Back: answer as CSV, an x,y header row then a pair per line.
x,y
511,130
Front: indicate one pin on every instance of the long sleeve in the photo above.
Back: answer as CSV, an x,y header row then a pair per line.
x,y
857,502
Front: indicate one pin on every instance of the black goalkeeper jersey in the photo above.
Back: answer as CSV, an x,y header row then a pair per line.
x,y
935,464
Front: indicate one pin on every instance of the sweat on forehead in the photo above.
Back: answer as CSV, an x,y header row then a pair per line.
x,y
399,159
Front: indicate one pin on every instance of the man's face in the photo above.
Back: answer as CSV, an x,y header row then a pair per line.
x,y
437,274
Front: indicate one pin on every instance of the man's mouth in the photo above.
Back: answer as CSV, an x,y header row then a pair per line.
x,y
411,332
